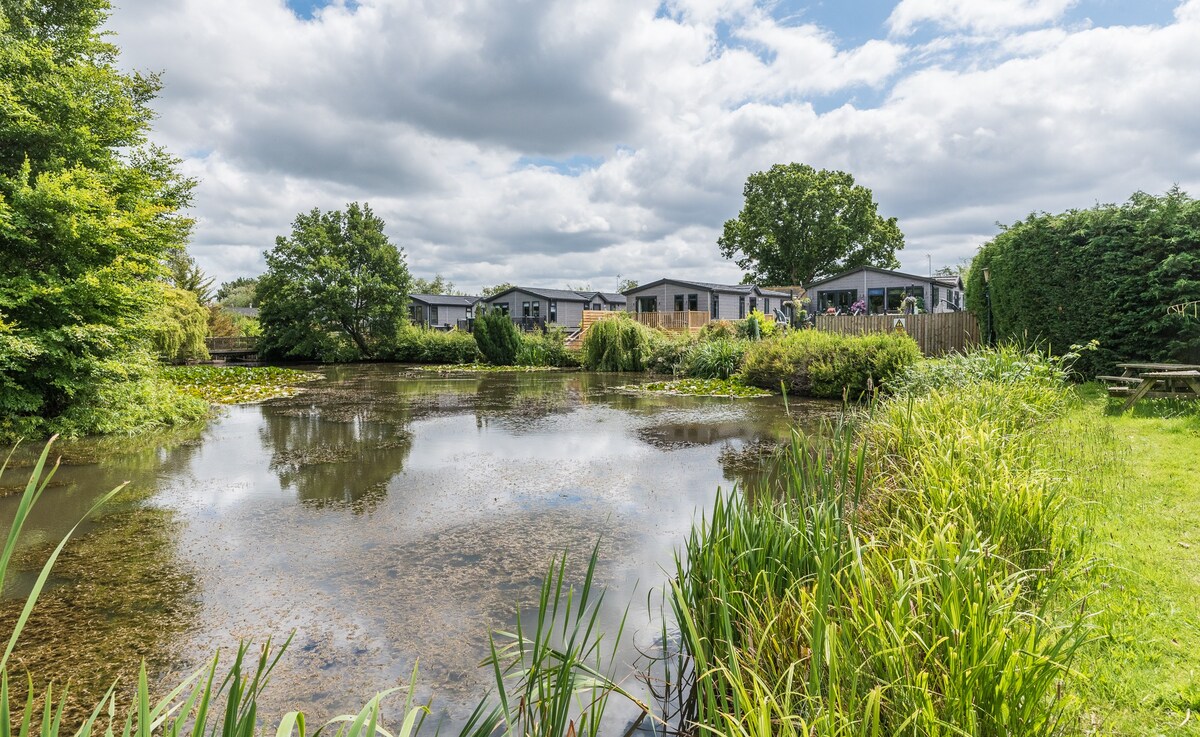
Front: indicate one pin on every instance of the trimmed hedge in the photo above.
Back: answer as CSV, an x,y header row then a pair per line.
x,y
817,364
1107,273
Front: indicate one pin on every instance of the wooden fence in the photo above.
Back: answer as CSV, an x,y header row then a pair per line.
x,y
676,322
937,334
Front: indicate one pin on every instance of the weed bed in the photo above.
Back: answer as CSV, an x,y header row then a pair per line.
x,y
237,384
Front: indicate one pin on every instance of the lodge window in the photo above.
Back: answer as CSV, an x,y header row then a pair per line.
x,y
875,300
679,303
537,308
693,302
767,305
841,299
646,304
753,304
433,316
595,305
937,294
741,307
502,306
524,309
553,310
714,310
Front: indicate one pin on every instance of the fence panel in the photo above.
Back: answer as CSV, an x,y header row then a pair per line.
x,y
937,334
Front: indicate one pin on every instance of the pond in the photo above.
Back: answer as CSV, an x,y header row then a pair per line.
x,y
384,517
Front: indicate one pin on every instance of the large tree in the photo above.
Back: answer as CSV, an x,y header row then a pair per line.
x,y
336,289
88,214
799,224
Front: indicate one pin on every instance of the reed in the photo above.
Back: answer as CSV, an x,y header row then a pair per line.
x,y
911,575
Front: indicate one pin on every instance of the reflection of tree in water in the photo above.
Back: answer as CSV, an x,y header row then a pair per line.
x,y
515,399
331,462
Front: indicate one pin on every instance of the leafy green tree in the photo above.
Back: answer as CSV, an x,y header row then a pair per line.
x,y
624,285
1107,273
241,292
497,337
437,285
493,291
336,289
799,224
88,214
187,275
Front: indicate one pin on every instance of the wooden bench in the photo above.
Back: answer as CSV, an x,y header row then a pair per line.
x,y
1183,382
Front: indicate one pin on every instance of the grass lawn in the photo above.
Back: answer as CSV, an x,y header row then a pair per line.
x,y
1143,676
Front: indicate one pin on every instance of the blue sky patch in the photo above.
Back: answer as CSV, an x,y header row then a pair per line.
x,y
307,9
571,166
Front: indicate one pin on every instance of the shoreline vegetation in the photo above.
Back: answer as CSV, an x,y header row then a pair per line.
x,y
978,553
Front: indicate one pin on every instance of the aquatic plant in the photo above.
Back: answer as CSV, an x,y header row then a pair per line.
x,y
698,388
237,384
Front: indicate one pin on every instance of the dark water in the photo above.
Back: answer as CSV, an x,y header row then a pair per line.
x,y
384,518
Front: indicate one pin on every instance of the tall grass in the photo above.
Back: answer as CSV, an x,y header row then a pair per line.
x,y
909,576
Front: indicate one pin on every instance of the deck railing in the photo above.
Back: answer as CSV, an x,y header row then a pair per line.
x,y
678,322
231,345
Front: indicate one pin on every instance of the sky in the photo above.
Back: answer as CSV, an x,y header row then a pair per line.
x,y
556,144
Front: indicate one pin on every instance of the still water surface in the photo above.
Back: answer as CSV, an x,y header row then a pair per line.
x,y
386,517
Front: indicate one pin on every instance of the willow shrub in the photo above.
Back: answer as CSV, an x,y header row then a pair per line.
x,y
907,577
818,364
618,343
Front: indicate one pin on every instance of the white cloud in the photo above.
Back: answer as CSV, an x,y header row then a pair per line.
x,y
431,110
978,16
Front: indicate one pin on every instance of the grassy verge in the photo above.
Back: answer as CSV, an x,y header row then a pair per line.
x,y
1142,675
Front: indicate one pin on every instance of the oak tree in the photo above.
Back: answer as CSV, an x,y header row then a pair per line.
x,y
799,224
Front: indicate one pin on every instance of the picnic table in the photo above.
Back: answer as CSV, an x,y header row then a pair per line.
x,y
1139,380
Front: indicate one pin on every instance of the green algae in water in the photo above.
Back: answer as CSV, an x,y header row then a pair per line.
x,y
698,388
237,384
482,368
117,596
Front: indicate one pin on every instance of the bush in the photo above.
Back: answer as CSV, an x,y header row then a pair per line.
x,y
818,364
756,326
425,345
546,349
667,351
497,337
618,343
719,329
713,359
1139,258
